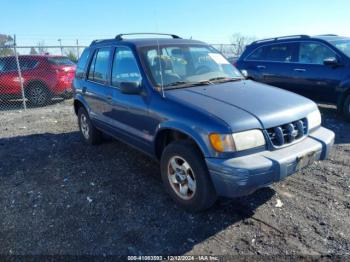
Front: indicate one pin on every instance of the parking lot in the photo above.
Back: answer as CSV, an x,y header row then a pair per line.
x,y
60,196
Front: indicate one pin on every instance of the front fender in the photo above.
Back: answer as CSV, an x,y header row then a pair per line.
x,y
197,134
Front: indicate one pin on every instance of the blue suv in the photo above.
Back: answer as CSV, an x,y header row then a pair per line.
x,y
317,67
181,102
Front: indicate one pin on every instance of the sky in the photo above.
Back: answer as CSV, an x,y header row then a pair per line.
x,y
213,21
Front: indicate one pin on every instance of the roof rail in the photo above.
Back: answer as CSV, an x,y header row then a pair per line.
x,y
327,35
120,36
99,40
280,38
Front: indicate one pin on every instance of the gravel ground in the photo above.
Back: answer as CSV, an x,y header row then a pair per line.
x,y
60,196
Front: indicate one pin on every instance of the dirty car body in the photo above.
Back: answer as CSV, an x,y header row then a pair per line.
x,y
247,135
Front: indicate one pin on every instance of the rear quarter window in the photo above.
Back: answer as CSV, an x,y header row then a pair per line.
x,y
81,66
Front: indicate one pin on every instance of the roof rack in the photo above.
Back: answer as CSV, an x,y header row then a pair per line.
x,y
120,36
280,38
327,35
100,40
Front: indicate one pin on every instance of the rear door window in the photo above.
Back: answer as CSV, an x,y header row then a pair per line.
x,y
314,53
280,52
98,71
27,63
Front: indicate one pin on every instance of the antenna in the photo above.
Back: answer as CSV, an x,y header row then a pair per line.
x,y
160,70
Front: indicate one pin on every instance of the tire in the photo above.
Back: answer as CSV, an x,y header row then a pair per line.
x,y
89,133
199,194
67,96
38,94
346,108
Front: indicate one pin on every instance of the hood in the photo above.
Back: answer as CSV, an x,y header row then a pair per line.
x,y
246,104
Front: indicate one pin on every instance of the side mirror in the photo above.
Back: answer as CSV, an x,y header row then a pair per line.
x,y
331,61
130,88
244,73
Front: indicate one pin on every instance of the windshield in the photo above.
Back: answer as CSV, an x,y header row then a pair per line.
x,y
342,45
187,65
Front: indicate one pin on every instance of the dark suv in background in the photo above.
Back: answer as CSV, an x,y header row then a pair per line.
x,y
317,67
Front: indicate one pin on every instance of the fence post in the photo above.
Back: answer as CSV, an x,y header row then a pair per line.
x,y
78,49
19,73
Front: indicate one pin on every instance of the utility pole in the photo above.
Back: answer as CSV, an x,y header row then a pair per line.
x,y
60,40
78,49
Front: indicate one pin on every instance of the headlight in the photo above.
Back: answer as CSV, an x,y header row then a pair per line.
x,y
314,119
237,141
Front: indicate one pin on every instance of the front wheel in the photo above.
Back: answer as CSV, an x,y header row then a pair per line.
x,y
346,108
186,177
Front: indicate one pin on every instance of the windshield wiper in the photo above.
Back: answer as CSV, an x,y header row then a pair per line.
x,y
177,83
180,84
201,83
225,79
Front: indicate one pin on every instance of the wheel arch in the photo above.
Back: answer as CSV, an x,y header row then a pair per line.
x,y
344,93
171,132
31,82
79,102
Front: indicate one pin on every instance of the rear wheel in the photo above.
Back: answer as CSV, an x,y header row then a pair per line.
x,y
38,94
89,133
346,108
186,177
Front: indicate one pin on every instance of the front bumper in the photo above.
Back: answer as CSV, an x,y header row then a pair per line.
x,y
243,175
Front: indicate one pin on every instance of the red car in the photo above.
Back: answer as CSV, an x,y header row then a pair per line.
x,y
44,77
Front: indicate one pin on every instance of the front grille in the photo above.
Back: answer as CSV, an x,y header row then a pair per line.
x,y
288,133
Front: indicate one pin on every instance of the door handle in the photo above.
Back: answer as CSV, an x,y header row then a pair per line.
x,y
109,98
299,69
261,67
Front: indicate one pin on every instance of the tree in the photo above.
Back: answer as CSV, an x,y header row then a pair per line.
x,y
33,51
71,54
73,57
239,43
41,48
5,42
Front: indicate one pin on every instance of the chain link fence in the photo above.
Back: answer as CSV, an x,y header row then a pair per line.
x,y
229,50
36,76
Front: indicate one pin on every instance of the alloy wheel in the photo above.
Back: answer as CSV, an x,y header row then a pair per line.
x,y
84,126
38,95
181,178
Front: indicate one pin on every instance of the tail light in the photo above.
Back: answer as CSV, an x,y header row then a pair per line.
x,y
64,74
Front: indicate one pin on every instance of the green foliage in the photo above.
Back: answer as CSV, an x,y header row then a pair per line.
x,y
33,51
6,40
72,56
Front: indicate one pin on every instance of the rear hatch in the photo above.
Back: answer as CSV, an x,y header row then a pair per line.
x,y
64,67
